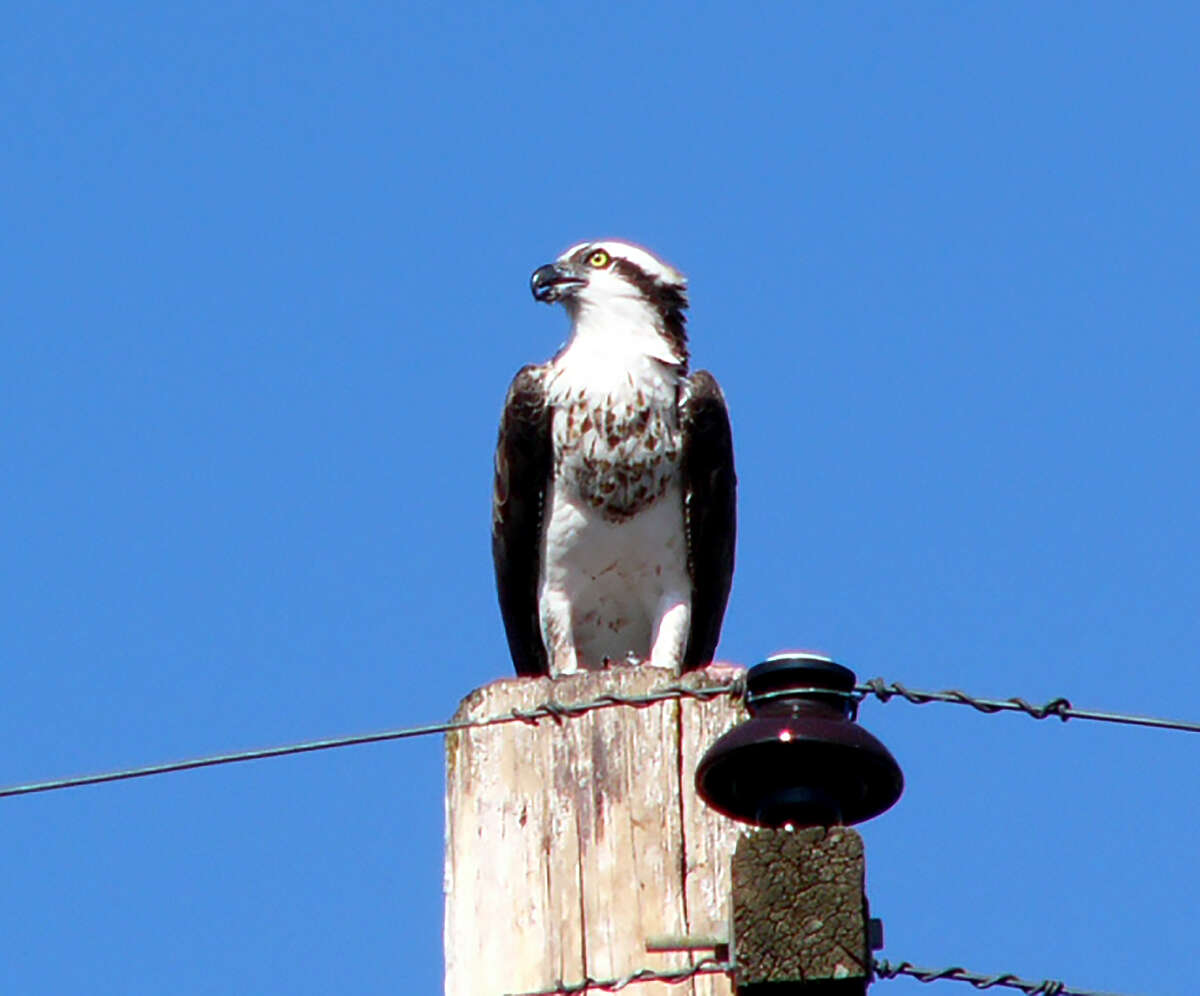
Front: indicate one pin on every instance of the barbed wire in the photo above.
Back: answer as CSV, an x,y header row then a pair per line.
x,y
1060,707
705,966
1047,987
559,711
550,709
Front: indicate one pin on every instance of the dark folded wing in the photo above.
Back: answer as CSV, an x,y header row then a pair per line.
x,y
523,463
710,510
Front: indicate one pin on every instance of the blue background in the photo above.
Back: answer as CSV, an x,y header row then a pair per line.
x,y
265,273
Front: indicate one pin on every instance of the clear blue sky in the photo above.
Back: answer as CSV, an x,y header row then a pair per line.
x,y
265,273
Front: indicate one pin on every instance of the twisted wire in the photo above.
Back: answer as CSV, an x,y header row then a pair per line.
x,y
705,966
1060,707
1047,987
883,969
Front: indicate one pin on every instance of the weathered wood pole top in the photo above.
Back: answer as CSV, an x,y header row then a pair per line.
x,y
571,842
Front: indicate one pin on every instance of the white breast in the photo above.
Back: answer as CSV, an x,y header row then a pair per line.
x,y
614,555
615,430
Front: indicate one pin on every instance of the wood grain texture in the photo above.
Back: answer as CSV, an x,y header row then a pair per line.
x,y
569,844
800,913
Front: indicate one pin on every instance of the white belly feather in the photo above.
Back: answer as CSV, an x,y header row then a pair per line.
x,y
607,587
614,579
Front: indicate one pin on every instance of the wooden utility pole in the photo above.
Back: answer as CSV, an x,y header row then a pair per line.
x,y
576,843
571,843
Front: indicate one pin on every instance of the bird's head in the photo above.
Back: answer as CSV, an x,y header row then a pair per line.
x,y
613,282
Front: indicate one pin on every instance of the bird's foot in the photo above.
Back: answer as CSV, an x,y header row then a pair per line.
x,y
724,671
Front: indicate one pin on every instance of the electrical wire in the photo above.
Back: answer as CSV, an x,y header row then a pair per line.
x,y
883,969
1060,707
705,966
559,711
1047,987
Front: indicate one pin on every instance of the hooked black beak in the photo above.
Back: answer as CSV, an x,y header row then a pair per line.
x,y
553,281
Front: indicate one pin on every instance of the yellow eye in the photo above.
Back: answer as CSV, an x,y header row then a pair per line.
x,y
599,258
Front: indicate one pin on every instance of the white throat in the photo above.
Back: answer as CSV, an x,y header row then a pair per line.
x,y
621,331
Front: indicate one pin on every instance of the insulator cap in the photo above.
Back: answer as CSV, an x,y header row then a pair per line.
x,y
800,760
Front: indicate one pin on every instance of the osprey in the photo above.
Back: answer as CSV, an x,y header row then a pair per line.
x,y
614,509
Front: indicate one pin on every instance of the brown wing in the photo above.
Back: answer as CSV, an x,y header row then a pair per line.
x,y
523,464
710,511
